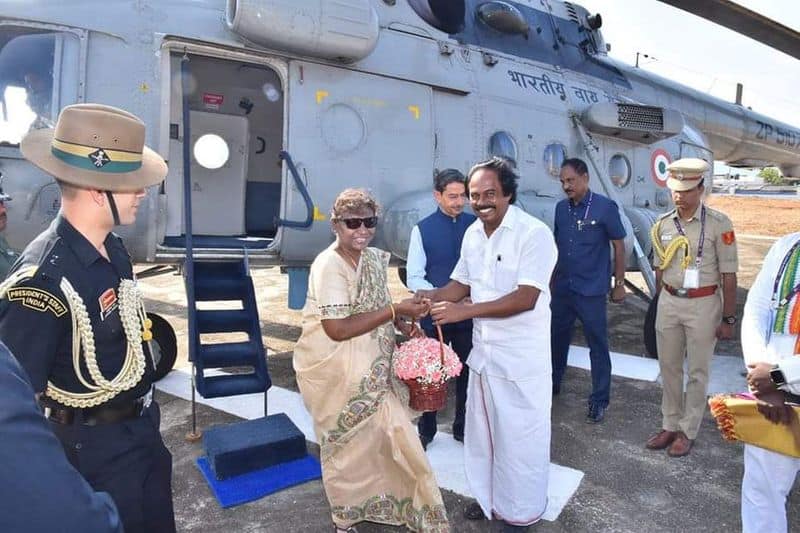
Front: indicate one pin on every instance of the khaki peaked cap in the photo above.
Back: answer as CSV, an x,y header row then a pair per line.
x,y
685,174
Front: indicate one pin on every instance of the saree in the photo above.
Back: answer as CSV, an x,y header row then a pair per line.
x,y
373,465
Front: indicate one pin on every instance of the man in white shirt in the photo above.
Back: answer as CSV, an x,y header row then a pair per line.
x,y
505,267
433,252
771,349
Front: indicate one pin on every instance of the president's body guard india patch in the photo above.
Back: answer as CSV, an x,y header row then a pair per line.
x,y
37,299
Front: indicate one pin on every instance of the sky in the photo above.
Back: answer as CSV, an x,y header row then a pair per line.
x,y
708,57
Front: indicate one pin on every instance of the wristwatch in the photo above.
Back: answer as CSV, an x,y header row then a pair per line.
x,y
777,377
730,320
619,283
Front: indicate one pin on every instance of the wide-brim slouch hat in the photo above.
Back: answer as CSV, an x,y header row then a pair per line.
x,y
96,146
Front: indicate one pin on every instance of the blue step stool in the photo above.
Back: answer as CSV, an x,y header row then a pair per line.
x,y
241,447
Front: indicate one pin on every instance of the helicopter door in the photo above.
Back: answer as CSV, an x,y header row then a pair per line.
x,y
349,129
40,72
219,173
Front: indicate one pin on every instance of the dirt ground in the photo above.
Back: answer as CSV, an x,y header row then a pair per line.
x,y
759,216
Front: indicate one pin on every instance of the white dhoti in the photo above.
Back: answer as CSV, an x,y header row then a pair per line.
x,y
768,478
507,446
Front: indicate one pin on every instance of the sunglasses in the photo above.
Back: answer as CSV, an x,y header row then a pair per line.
x,y
355,223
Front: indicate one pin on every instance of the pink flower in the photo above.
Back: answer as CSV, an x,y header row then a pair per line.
x,y
420,359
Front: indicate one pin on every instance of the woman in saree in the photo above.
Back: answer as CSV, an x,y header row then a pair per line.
x,y
373,465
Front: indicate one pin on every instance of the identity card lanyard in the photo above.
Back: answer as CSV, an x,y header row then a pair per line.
x,y
691,278
582,222
777,301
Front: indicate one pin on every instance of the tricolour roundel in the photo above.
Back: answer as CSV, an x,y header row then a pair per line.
x,y
658,166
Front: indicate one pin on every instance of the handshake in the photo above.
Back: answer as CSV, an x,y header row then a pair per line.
x,y
424,303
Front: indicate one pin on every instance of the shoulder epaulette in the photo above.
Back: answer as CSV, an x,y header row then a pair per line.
x,y
24,273
719,215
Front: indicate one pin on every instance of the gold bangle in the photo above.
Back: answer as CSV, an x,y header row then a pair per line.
x,y
391,308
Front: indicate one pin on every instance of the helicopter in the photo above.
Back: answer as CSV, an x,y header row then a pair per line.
x,y
290,102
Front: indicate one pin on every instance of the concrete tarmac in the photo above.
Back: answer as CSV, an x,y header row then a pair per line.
x,y
625,487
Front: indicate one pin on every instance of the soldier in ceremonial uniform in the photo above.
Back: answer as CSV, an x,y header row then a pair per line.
x,y
72,314
696,262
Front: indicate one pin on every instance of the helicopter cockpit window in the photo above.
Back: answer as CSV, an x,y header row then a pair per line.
x,y
444,15
502,144
619,169
503,17
30,61
554,156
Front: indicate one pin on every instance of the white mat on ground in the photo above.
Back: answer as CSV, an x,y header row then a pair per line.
x,y
725,375
624,365
444,453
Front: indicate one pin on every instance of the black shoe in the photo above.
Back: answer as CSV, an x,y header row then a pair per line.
x,y
474,512
596,414
425,440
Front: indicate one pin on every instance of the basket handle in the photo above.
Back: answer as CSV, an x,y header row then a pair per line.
x,y
441,340
441,343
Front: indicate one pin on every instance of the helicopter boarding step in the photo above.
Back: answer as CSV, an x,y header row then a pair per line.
x,y
227,282
241,447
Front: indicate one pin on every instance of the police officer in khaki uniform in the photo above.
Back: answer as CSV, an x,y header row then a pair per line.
x,y
72,314
696,262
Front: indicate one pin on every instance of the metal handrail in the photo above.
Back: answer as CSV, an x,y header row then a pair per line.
x,y
284,155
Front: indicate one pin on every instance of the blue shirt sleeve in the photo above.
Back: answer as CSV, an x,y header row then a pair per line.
x,y
555,220
614,225
40,488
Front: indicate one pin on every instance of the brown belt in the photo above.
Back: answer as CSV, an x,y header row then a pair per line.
x,y
691,293
97,416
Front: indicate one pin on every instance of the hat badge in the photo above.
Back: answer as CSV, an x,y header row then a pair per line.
x,y
99,158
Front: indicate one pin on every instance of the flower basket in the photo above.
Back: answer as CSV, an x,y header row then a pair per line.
x,y
425,365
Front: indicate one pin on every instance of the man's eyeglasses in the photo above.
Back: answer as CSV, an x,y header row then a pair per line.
x,y
355,223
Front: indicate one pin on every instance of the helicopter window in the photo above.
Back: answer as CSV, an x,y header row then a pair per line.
x,y
211,151
554,156
444,15
30,59
503,17
619,169
502,144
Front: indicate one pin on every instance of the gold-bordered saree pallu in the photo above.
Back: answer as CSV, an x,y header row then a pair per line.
x,y
738,419
373,465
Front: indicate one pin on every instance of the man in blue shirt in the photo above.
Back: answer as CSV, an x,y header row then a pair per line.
x,y
585,223
40,490
433,252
